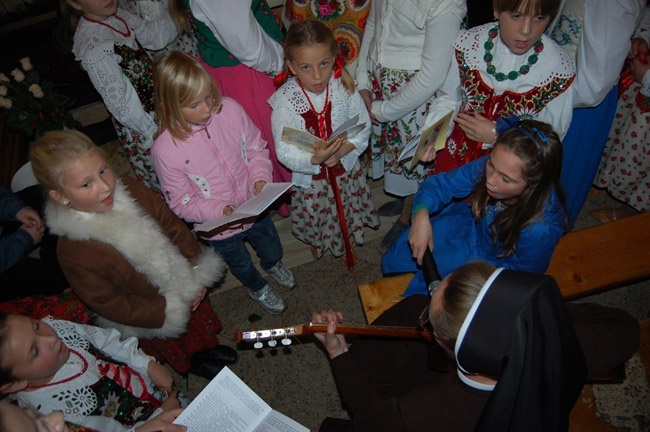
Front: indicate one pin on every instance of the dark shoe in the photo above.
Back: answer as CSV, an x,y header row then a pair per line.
x,y
331,424
394,232
204,367
391,208
209,362
222,353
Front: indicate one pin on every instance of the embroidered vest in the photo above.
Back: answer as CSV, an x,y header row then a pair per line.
x,y
137,67
311,126
113,392
478,97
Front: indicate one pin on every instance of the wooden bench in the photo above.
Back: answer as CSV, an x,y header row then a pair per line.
x,y
584,262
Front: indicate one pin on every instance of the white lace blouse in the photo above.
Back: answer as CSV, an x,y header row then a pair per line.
x,y
94,47
289,102
73,395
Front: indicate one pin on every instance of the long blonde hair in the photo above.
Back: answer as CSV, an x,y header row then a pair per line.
x,y
180,16
178,79
53,153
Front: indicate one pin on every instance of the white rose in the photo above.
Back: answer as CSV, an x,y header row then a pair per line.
x,y
5,103
36,90
3,77
25,63
3,91
18,75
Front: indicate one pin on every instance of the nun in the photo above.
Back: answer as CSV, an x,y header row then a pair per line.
x,y
517,356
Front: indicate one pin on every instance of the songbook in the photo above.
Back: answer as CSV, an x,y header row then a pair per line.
x,y
306,141
251,208
227,404
435,135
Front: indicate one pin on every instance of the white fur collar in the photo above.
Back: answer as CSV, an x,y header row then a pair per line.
x,y
140,240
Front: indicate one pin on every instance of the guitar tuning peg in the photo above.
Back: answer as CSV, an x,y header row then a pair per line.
x,y
273,343
286,341
258,344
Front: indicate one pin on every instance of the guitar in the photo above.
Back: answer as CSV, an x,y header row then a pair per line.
x,y
284,334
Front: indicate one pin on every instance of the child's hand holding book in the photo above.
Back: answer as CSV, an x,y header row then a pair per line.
x,y
172,402
259,185
321,155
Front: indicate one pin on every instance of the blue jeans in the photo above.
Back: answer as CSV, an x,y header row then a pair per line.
x,y
266,242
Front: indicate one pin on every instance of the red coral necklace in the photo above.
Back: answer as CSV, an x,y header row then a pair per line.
x,y
320,116
65,380
126,34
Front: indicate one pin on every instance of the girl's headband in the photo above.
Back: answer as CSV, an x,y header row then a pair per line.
x,y
514,122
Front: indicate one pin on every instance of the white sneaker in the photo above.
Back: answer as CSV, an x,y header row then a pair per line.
x,y
269,299
283,276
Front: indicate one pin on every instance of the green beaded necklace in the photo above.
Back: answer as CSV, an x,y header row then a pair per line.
x,y
512,75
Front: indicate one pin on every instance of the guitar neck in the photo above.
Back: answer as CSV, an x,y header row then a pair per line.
x,y
369,330
361,330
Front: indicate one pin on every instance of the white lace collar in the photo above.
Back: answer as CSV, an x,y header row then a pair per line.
x,y
471,43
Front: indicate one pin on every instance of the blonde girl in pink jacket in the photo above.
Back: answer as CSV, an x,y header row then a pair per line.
x,y
210,159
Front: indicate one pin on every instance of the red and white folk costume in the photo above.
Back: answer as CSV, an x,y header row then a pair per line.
x,y
314,214
532,86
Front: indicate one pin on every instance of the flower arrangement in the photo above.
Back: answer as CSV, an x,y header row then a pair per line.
x,y
31,104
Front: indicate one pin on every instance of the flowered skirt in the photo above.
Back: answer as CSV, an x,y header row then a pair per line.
x,y
137,149
625,166
201,334
388,139
314,218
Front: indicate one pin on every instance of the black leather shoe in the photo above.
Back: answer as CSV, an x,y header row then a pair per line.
x,y
392,234
391,208
221,354
204,367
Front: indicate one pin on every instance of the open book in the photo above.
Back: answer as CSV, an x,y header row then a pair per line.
x,y
435,135
250,208
306,141
227,404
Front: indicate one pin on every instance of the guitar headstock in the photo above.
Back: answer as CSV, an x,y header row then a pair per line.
x,y
272,335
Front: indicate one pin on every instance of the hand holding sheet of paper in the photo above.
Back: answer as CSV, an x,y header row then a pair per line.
x,y
307,142
250,209
428,154
322,155
433,137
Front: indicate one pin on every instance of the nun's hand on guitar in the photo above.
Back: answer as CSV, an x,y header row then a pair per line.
x,y
335,344
421,235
